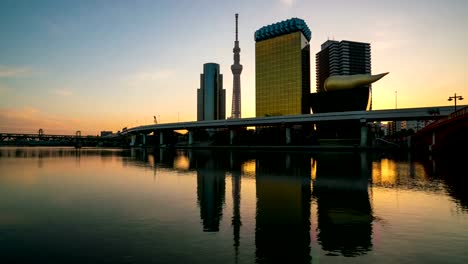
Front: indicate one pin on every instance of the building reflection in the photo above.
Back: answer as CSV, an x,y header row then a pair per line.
x,y
211,167
210,189
282,233
344,212
283,206
451,169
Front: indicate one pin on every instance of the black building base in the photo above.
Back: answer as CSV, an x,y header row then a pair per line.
x,y
356,99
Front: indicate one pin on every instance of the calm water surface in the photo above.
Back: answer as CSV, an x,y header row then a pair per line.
x,y
61,205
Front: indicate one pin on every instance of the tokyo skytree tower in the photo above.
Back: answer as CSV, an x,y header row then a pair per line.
x,y
236,69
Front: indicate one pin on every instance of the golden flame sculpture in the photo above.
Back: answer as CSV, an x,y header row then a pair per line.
x,y
344,82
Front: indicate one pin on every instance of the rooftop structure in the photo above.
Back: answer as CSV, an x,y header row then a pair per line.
x,y
282,28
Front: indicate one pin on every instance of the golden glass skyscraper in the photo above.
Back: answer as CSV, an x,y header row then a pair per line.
x,y
282,68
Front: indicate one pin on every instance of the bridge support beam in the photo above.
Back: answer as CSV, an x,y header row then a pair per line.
x,y
431,147
363,132
232,133
132,140
190,137
364,165
161,138
143,139
288,135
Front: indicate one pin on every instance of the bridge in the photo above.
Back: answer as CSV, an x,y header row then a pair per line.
x,y
446,134
365,117
52,140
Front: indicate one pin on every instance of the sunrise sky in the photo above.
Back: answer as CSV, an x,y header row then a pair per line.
x,y
104,65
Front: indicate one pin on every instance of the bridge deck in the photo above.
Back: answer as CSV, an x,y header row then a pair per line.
x,y
422,113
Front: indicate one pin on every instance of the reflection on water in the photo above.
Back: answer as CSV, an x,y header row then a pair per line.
x,y
343,208
166,206
283,208
452,171
236,203
210,190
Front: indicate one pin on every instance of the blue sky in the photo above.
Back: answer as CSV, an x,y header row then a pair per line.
x,y
103,65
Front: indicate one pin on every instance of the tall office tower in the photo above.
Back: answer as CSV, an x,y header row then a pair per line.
x,y
236,69
282,68
342,58
211,97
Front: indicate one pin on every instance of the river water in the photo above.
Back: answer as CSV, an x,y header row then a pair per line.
x,y
61,205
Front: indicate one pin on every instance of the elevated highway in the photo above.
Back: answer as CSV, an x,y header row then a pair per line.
x,y
420,113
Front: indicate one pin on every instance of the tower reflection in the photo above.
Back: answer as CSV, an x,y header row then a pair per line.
x,y
282,233
236,199
343,208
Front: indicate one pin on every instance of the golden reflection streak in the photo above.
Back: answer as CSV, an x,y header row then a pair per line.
x,y
385,172
151,161
182,162
313,170
249,167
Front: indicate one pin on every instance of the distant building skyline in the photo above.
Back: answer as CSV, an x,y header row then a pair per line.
x,y
211,97
65,64
282,68
236,69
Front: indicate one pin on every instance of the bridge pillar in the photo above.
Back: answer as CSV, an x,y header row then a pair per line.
x,y
190,137
161,138
288,135
365,165
143,139
232,133
431,147
363,132
132,140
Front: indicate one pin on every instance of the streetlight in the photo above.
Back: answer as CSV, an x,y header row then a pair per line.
x,y
395,99
455,97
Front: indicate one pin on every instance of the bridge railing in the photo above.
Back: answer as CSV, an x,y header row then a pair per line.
x,y
458,113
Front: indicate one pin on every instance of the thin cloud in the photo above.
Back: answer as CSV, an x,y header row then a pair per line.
x,y
8,71
63,92
27,113
29,120
288,3
152,75
388,40
151,78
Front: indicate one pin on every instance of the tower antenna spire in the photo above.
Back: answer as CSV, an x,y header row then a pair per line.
x,y
237,16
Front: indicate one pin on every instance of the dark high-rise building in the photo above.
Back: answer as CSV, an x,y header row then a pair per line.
x,y
282,68
211,97
348,60
341,58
